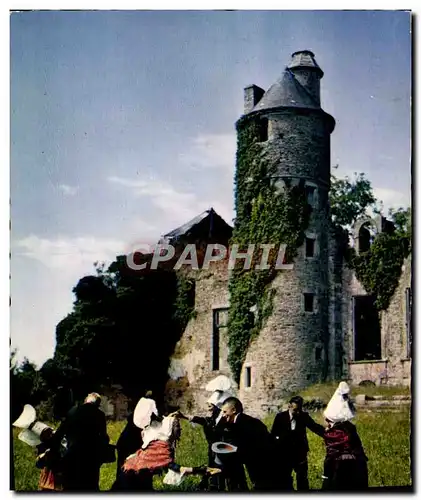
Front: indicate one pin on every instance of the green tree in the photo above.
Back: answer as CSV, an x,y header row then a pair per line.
x,y
402,219
122,330
379,268
85,339
24,384
350,198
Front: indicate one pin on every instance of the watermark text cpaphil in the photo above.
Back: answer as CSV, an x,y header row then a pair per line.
x,y
258,254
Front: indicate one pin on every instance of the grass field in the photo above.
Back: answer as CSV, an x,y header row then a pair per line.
x,y
324,391
385,436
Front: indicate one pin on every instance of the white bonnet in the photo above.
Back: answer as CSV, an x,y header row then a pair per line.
x,y
143,412
338,409
218,398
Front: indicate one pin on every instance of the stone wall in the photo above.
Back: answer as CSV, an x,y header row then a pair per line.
x,y
284,357
295,348
395,366
291,350
191,363
336,352
114,403
374,371
394,332
300,143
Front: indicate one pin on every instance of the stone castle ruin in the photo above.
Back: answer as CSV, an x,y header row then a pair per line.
x,y
323,324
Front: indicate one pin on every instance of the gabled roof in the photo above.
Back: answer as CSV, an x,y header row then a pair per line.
x,y
179,231
185,228
286,92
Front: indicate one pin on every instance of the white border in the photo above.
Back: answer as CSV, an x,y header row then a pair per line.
x,y
126,5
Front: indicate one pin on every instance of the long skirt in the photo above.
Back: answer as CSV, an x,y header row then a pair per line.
x,y
138,470
349,474
50,481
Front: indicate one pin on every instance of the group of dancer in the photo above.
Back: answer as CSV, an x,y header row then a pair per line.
x,y
236,442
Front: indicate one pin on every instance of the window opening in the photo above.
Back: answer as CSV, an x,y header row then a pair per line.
x,y
367,333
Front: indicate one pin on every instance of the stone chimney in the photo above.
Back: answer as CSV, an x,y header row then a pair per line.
x,y
252,95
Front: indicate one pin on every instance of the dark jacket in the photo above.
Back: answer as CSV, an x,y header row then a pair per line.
x,y
294,441
129,442
212,431
255,448
48,456
343,439
85,430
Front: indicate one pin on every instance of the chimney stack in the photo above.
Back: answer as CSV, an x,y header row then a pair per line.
x,y
252,95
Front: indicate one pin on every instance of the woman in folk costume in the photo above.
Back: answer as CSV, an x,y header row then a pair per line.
x,y
213,427
345,466
49,454
156,455
130,439
49,460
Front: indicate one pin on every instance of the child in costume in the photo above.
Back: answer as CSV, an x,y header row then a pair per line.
x,y
49,456
49,460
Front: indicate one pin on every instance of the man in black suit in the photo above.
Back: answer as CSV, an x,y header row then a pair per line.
x,y
85,430
255,446
290,433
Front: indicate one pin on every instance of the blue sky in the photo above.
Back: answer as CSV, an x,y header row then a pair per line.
x,y
122,128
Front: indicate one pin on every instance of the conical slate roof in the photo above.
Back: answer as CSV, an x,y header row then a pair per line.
x,y
286,92
304,59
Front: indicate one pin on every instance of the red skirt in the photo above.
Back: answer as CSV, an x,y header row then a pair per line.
x,y
49,480
156,455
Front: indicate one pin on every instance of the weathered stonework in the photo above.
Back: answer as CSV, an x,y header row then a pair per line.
x,y
114,403
191,363
395,366
291,350
294,348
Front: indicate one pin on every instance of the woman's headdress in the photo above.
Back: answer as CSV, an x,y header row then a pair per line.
x,y
143,412
220,388
339,409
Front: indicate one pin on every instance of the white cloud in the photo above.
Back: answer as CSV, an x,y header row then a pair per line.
x,y
177,205
204,152
69,255
207,151
40,304
224,210
68,190
392,198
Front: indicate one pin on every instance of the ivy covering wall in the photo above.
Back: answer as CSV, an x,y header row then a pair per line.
x,y
379,268
184,303
268,212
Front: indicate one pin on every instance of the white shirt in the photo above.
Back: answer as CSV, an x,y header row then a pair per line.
x,y
158,431
236,416
293,421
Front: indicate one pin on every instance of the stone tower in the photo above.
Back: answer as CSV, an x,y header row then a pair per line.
x,y
291,351
313,329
